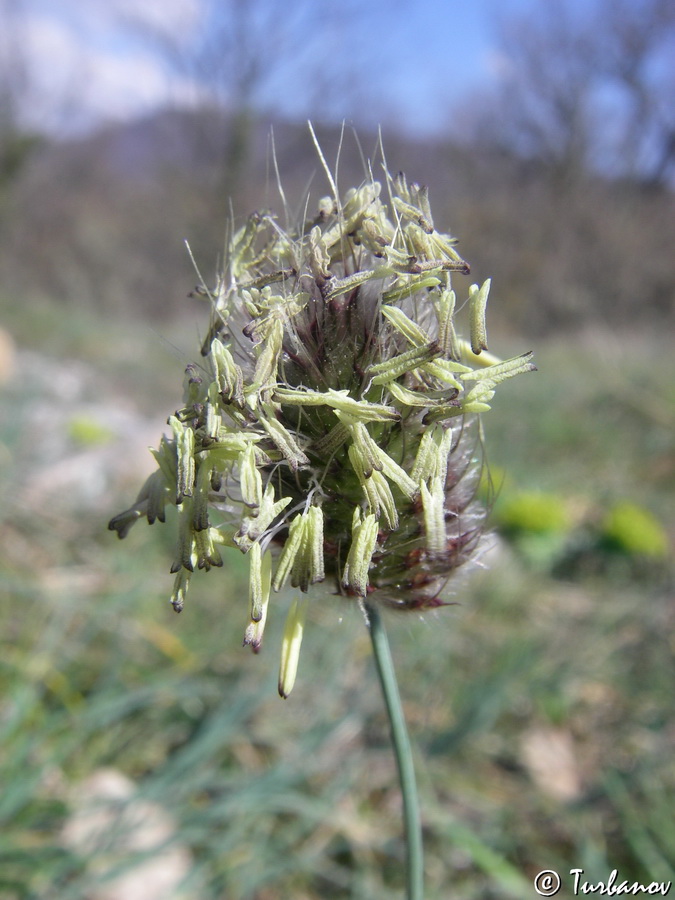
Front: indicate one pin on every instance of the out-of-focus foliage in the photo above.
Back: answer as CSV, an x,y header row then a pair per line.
x,y
541,707
635,531
534,513
626,539
86,431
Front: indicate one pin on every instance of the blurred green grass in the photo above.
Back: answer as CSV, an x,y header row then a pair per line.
x,y
540,706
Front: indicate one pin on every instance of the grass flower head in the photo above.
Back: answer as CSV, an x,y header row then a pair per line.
x,y
327,432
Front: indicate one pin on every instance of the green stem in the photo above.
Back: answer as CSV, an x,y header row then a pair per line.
x,y
402,751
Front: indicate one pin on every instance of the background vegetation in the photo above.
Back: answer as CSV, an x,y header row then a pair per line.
x,y
541,705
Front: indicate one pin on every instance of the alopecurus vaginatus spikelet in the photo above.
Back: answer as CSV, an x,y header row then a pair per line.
x,y
328,433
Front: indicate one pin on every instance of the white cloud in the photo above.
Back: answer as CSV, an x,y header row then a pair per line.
x,y
88,62
168,19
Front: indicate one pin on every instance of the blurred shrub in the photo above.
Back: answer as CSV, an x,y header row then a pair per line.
x,y
86,431
634,531
533,512
538,525
627,541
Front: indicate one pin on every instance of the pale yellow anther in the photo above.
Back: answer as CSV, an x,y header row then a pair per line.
x,y
445,310
315,541
331,441
292,548
212,420
296,397
180,588
204,549
433,503
446,371
341,401
255,583
368,449
398,475
376,489
282,437
361,409
186,535
302,556
165,457
290,646
228,446
372,459
250,480
483,360
319,258
405,326
265,374
364,538
391,369
253,527
339,286
418,239
418,399
259,593
200,508
229,378
408,211
409,284
445,413
384,500
478,398
272,308
499,372
478,297
434,449
185,461
444,244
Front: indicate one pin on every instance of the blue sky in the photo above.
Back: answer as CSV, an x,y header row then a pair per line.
x,y
88,65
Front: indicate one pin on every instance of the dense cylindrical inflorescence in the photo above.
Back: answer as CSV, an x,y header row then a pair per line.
x,y
331,418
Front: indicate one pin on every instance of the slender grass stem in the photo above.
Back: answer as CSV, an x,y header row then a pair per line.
x,y
402,751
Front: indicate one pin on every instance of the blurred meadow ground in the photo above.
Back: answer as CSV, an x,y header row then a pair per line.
x,y
141,749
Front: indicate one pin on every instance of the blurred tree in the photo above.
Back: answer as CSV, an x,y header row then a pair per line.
x,y
544,108
637,58
588,87
574,152
16,142
247,57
